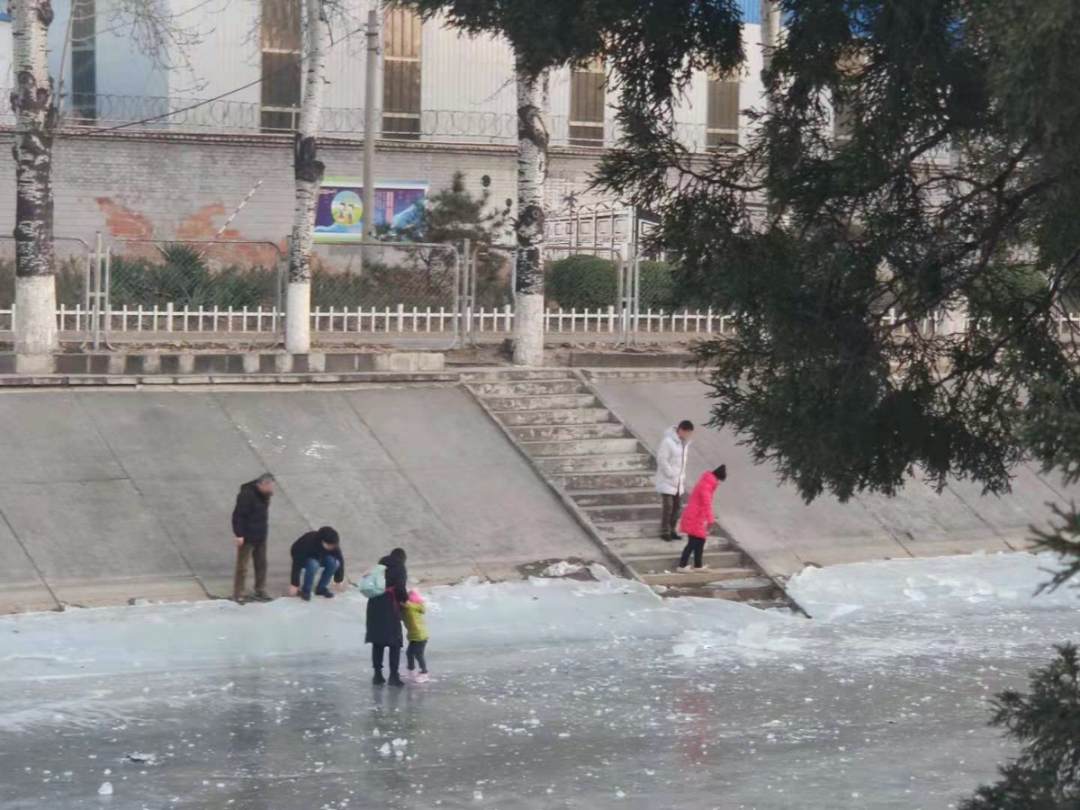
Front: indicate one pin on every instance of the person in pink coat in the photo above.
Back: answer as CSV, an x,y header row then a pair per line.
x,y
698,516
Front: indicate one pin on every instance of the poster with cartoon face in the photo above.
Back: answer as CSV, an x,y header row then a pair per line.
x,y
339,214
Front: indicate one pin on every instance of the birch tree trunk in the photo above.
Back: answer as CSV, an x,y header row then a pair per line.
x,y
532,166
770,33
308,174
35,122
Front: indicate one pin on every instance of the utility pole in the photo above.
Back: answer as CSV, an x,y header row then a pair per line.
x,y
370,89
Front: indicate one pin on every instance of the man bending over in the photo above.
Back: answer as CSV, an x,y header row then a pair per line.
x,y
312,551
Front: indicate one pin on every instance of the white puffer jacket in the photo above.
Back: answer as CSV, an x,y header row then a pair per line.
x,y
671,459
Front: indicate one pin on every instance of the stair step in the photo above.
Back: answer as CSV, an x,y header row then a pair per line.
x,y
617,462
630,529
760,596
592,481
541,402
620,513
557,416
520,388
660,564
556,433
746,578
653,546
504,374
613,497
582,447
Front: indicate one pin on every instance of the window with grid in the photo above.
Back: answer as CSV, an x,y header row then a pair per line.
x,y
281,65
843,122
722,112
843,115
402,31
587,84
84,60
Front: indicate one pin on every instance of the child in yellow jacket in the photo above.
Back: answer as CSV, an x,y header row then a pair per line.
x,y
412,613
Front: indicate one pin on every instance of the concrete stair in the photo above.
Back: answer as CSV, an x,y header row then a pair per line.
x,y
583,449
558,433
612,497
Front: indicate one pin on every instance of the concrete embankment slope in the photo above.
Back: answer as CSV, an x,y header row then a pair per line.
x,y
784,534
107,496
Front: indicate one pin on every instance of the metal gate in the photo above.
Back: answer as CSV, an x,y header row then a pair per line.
x,y
75,261
387,292
189,291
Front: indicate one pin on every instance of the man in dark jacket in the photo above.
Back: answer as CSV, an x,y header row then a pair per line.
x,y
384,618
315,550
251,527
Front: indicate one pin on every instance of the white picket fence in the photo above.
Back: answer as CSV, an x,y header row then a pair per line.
x,y
400,319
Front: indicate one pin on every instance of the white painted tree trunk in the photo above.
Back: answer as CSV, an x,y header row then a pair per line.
x,y
35,122
532,166
770,36
308,174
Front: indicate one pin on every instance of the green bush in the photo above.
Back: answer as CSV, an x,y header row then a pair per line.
x,y
583,282
182,277
381,286
657,286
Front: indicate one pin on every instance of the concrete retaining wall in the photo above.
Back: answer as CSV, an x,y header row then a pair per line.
x,y
112,495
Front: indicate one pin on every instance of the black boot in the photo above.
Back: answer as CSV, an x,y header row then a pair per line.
x,y
325,592
395,680
379,680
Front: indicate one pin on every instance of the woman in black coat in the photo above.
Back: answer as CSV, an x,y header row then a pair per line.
x,y
384,618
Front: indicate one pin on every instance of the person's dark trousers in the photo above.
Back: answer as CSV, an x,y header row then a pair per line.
x,y
311,568
377,656
414,654
669,520
255,552
696,546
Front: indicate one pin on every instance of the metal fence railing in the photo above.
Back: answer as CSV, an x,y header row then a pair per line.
x,y
194,290
381,288
74,265
224,116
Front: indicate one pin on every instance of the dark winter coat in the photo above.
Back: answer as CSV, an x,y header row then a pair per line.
x,y
310,547
251,516
384,612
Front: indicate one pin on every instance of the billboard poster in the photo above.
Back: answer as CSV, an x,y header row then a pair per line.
x,y
339,214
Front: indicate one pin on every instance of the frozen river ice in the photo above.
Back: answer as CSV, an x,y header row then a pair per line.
x,y
545,694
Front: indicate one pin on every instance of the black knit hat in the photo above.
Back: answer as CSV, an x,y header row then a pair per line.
x,y
328,535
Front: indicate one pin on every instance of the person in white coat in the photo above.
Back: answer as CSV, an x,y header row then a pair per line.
x,y
671,476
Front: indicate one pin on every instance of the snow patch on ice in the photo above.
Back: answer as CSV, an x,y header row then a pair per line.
x,y
927,584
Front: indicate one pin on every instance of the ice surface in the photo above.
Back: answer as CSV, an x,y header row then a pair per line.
x,y
544,694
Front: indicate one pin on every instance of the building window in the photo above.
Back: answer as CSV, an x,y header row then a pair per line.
x,y
849,67
843,122
722,112
281,65
402,30
587,83
84,60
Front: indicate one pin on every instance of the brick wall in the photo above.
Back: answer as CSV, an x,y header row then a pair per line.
x,y
166,187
